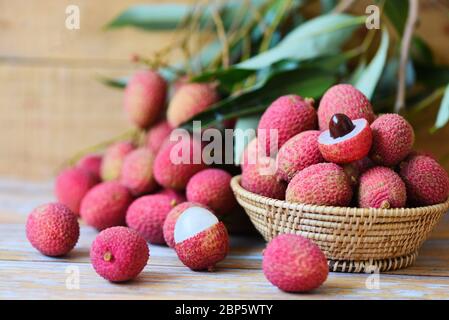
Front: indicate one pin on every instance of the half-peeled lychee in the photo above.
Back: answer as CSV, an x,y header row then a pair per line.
x,y
346,140
201,241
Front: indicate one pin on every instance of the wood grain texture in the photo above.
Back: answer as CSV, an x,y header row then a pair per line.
x,y
26,274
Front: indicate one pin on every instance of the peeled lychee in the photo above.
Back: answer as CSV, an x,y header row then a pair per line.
x,y
321,184
381,187
345,99
53,229
119,254
176,197
105,205
189,100
137,172
111,166
145,96
177,162
201,241
172,217
393,139
91,163
298,153
261,178
426,181
72,185
346,140
212,187
158,135
147,214
294,263
288,116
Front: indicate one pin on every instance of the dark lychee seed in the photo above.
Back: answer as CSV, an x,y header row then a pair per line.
x,y
340,125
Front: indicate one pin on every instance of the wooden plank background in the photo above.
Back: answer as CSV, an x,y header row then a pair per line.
x,y
51,104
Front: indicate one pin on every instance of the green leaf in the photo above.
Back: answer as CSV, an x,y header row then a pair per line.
x,y
327,5
152,16
443,113
119,83
397,11
305,82
323,35
244,125
369,79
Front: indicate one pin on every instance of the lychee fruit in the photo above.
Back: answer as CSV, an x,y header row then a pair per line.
x,y
294,263
287,116
201,241
145,96
177,162
137,172
158,135
52,229
72,185
393,139
298,153
119,254
426,180
172,217
381,187
189,100
261,178
355,169
147,214
91,163
212,187
321,184
346,140
105,205
111,165
250,155
176,197
345,99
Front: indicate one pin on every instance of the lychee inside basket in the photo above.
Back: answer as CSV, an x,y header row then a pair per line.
x,y
353,239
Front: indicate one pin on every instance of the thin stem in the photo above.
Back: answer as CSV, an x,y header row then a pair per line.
x,y
405,51
343,6
269,32
222,36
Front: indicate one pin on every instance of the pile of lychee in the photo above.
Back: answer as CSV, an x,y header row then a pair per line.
x,y
134,194
342,155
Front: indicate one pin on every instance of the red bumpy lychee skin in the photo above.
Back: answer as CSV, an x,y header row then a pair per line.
x,y
170,171
158,135
119,254
393,139
344,98
321,184
426,181
212,188
72,185
189,100
137,172
260,179
297,154
204,250
288,115
348,148
111,165
355,169
176,197
145,96
53,229
381,187
147,214
105,205
250,154
91,163
294,264
172,217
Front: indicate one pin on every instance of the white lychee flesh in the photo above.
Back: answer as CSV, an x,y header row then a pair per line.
x,y
193,221
326,138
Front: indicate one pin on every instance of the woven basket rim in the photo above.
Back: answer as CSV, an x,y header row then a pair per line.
x,y
337,211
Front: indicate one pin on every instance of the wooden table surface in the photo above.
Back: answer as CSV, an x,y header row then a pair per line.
x,y
26,274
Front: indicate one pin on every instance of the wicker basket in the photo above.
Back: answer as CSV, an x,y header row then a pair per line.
x,y
353,239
